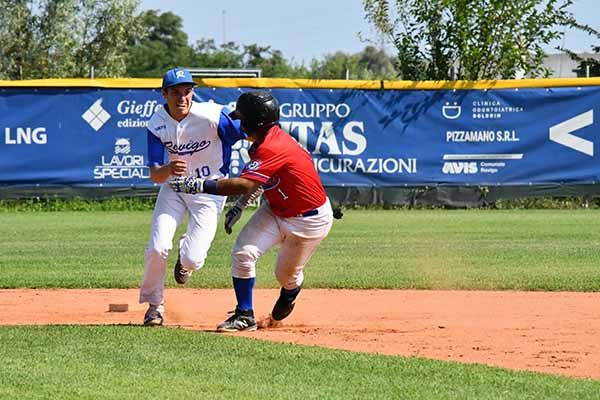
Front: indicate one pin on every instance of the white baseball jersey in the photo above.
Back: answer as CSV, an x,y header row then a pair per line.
x,y
203,138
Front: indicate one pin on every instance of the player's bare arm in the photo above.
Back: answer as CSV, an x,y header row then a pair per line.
x,y
160,173
250,190
223,187
235,186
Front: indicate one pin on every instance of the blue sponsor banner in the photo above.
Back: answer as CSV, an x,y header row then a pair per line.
x,y
97,137
79,137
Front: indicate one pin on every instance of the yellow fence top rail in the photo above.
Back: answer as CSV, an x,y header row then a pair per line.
x,y
137,83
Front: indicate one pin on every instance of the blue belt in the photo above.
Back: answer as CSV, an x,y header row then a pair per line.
x,y
309,213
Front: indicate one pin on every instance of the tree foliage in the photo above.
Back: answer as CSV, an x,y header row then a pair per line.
x,y
15,38
65,38
208,55
370,63
471,39
271,62
164,45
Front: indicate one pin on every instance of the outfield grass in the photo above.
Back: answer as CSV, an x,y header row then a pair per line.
x,y
474,249
127,362
424,249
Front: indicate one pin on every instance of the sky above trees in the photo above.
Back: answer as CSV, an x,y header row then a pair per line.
x,y
311,28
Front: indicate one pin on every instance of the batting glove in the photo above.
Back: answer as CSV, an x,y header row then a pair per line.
x,y
231,217
187,184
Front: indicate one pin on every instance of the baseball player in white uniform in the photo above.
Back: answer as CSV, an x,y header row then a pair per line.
x,y
197,138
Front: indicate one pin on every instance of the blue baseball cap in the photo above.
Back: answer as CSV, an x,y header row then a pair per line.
x,y
177,76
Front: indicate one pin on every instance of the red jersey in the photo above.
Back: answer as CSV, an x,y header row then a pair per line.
x,y
291,182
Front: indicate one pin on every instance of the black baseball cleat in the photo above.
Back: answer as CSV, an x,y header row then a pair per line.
x,y
181,274
285,303
241,320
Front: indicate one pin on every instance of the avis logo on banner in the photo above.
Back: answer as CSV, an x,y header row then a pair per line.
x,y
459,167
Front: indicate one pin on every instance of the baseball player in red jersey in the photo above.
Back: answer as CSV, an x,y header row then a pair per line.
x,y
297,214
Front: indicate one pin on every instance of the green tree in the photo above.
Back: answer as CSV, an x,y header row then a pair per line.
x,y
335,66
376,64
16,38
56,41
105,27
65,38
471,39
370,63
206,54
164,45
271,62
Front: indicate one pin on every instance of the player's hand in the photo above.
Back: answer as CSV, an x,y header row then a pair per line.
x,y
231,217
187,184
178,167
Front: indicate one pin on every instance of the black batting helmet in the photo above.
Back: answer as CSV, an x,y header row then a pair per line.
x,y
256,109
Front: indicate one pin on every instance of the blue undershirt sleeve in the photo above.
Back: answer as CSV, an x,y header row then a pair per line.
x,y
229,132
228,129
156,150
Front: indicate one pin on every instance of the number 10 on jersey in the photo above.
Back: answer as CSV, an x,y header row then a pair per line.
x,y
203,172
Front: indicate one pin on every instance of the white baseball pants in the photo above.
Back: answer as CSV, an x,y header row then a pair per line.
x,y
298,238
170,209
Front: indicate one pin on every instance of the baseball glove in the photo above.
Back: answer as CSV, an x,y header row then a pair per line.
x,y
187,184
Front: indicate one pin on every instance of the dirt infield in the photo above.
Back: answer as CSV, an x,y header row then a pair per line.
x,y
557,333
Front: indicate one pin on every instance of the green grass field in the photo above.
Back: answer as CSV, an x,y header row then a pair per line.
x,y
428,249
126,362
423,249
